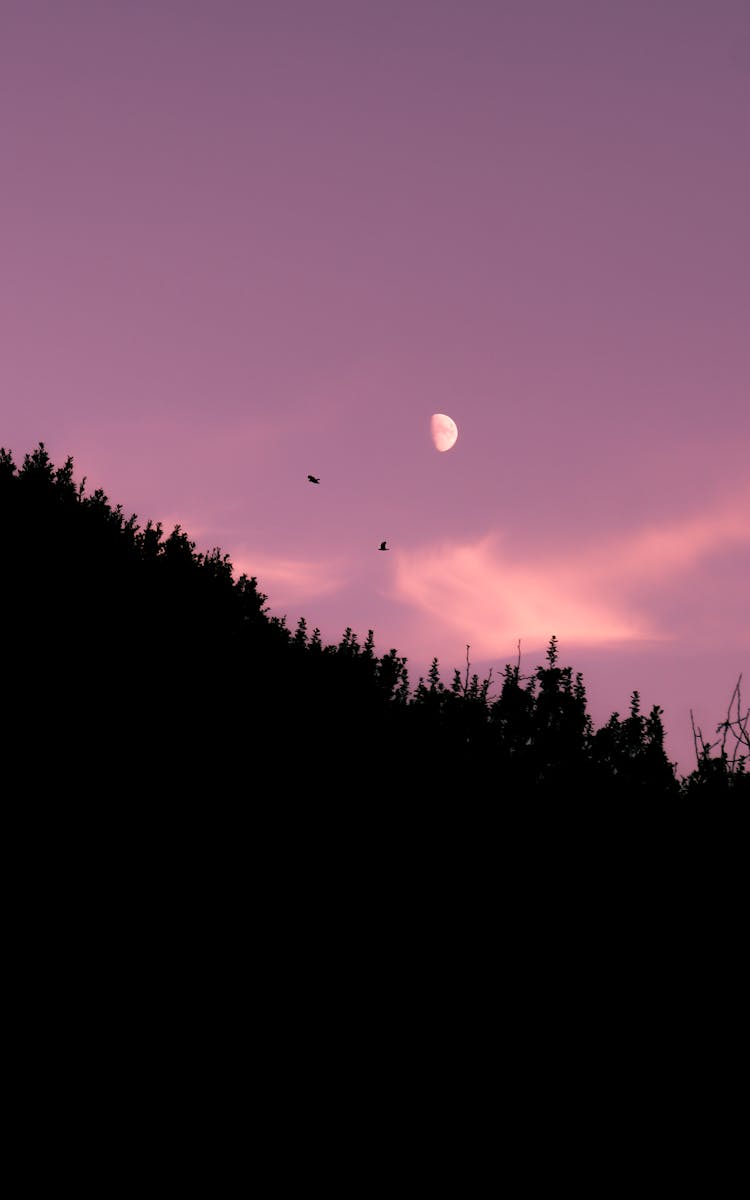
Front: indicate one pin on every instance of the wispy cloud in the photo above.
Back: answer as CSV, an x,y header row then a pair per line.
x,y
587,595
291,580
662,550
478,590
197,531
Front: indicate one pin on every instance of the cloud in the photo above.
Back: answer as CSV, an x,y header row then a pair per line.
x,y
491,601
196,531
290,580
659,552
587,595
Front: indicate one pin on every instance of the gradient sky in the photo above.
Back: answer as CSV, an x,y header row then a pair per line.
x,y
244,241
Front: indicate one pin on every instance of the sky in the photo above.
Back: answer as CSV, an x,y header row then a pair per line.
x,y
246,240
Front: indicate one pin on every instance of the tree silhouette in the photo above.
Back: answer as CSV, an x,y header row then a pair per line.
x,y
141,666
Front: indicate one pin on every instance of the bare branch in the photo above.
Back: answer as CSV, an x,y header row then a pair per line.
x,y
742,722
735,727
706,747
696,737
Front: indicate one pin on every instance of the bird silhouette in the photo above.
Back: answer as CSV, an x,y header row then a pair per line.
x,y
313,479
383,546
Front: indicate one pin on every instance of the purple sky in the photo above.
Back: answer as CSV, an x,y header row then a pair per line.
x,y
244,240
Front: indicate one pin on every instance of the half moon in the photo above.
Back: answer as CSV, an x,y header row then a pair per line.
x,y
444,431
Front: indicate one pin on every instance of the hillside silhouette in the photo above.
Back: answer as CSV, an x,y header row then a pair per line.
x,y
134,664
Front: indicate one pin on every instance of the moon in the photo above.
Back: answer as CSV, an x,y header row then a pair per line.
x,y
444,431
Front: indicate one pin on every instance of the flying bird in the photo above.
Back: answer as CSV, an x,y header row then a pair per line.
x,y
383,546
313,479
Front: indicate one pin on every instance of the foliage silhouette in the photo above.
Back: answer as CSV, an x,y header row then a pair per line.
x,y
142,667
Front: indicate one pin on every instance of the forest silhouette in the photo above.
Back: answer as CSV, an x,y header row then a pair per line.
x,y
139,665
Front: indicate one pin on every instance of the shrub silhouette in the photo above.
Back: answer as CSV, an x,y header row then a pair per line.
x,y
139,666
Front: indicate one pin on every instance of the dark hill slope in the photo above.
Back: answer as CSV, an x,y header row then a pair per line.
x,y
134,665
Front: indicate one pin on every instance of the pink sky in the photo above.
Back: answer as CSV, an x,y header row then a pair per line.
x,y
244,240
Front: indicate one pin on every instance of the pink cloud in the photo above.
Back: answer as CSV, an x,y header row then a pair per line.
x,y
663,550
588,595
290,580
197,531
490,600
